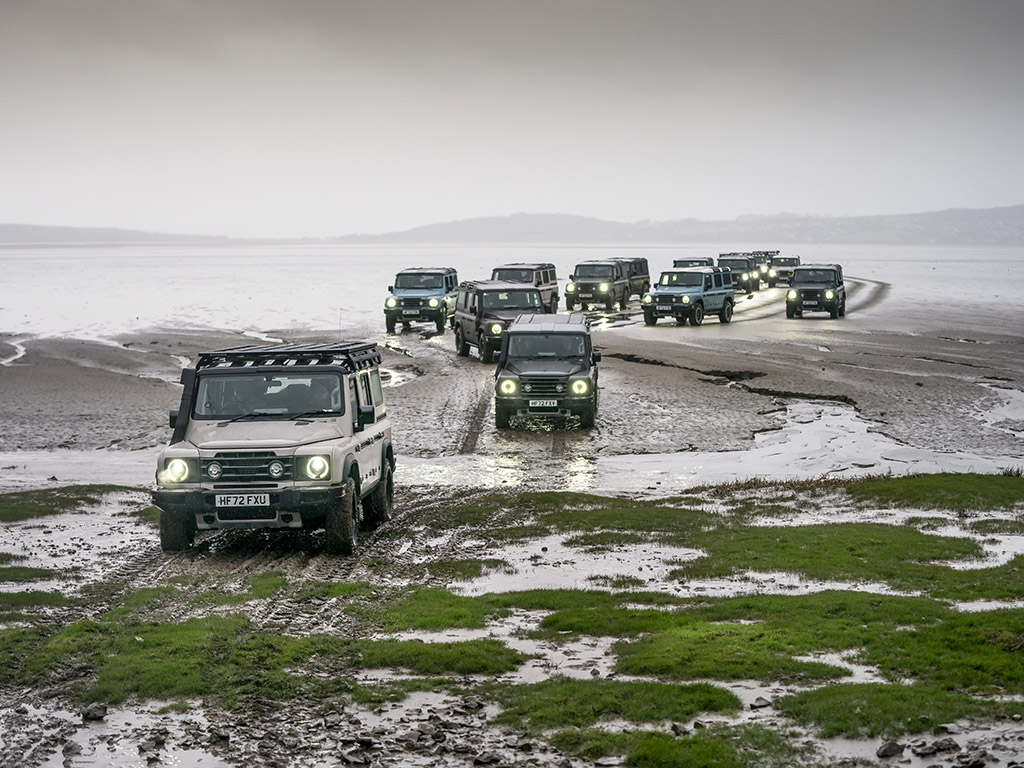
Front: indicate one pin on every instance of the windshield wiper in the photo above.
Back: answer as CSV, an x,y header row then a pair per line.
x,y
317,412
243,417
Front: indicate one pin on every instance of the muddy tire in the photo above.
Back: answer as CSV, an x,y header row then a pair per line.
x,y
389,323
609,303
554,305
486,353
587,417
697,314
725,313
379,505
569,304
650,318
790,312
177,532
441,320
834,312
502,418
341,526
461,347
842,309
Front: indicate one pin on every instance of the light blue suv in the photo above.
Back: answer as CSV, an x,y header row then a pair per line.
x,y
690,294
422,294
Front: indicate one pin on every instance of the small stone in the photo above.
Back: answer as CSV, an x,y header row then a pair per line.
x,y
95,711
890,749
760,703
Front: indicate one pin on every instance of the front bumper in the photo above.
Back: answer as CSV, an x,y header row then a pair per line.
x,y
412,314
545,405
665,309
589,294
288,508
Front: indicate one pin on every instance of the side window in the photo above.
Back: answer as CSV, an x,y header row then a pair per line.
x,y
718,279
463,301
378,393
353,400
365,396
707,282
727,278
472,302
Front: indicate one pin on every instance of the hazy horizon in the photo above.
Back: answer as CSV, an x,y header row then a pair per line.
x,y
255,118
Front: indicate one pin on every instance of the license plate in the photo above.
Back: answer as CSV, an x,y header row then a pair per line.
x,y
586,295
664,308
809,303
242,500
543,403
410,311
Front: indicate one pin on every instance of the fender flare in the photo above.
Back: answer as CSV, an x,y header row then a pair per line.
x,y
346,470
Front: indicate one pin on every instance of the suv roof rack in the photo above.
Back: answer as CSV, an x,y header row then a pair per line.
x,y
349,355
550,322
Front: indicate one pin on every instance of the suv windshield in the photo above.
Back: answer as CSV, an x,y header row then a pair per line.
x,y
510,299
547,345
418,280
735,264
691,263
270,394
814,276
785,261
682,278
513,275
584,271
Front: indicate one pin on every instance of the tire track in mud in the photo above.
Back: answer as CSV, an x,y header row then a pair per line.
x,y
476,421
877,292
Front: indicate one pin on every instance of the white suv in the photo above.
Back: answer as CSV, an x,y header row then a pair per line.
x,y
278,436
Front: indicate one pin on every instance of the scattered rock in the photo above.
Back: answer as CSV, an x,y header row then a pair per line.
x,y
95,711
760,703
890,749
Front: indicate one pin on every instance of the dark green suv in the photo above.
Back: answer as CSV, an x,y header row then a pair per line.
x,y
547,368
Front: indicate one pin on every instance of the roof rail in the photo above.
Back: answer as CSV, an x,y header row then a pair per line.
x,y
351,356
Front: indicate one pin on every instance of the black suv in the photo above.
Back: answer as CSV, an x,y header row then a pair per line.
x,y
602,281
421,293
816,288
639,274
540,275
485,308
693,261
746,274
547,367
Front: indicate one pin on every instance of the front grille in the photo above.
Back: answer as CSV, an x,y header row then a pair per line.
x,y
538,386
667,299
411,303
249,468
810,294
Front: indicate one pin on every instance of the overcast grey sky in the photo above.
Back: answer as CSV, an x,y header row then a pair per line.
x,y
323,117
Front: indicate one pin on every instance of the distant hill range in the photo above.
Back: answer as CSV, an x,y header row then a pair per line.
x,y
990,226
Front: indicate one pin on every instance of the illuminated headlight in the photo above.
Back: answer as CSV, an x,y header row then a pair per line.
x,y
391,303
603,288
580,387
685,299
829,295
276,469
570,288
764,268
317,467
745,276
772,273
791,295
507,387
177,471
214,470
648,298
496,329
433,303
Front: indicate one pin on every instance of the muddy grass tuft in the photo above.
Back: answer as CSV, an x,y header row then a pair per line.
x,y
957,492
563,702
26,505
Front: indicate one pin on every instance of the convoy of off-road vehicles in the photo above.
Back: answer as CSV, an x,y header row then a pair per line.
x,y
298,435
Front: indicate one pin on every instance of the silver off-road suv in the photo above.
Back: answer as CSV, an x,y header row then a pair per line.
x,y
278,436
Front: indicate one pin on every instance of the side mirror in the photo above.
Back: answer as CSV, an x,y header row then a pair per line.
x,y
391,289
366,415
173,419
597,356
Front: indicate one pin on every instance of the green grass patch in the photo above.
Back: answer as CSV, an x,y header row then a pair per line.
x,y
649,750
465,570
957,492
261,586
563,702
471,657
320,590
617,582
888,711
32,599
25,573
997,527
26,505
149,515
